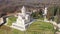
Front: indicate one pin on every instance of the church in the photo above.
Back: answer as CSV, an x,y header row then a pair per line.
x,y
23,20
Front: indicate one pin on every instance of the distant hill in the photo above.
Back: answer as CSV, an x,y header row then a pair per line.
x,y
12,5
4,3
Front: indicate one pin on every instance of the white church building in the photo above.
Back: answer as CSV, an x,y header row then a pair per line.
x,y
22,21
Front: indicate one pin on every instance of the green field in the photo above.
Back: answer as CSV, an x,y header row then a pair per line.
x,y
11,20
37,27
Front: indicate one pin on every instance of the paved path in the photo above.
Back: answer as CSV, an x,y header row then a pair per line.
x,y
57,32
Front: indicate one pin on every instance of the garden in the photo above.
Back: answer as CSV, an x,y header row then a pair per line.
x,y
37,27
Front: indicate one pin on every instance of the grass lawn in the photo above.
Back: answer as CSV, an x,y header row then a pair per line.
x,y
11,20
37,27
